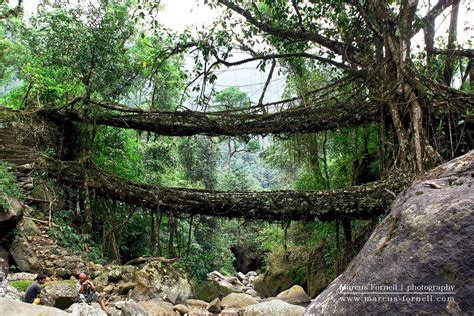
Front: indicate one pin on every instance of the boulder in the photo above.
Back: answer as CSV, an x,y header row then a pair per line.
x,y
84,309
29,228
124,288
59,295
215,275
157,307
195,304
215,307
4,254
280,275
241,276
109,288
252,293
117,273
234,281
130,308
295,295
11,212
9,307
423,245
24,276
24,256
181,309
3,269
6,290
274,308
210,289
238,300
159,280
319,276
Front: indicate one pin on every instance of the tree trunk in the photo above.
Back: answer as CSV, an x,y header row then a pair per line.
x,y
158,235
171,233
348,248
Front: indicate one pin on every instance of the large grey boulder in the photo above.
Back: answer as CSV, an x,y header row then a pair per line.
x,y
274,308
24,255
218,285
6,290
424,245
11,212
238,300
84,309
295,295
160,280
157,307
9,307
59,295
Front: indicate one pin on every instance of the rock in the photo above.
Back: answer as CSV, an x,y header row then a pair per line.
x,y
109,288
131,308
124,288
25,168
29,228
274,308
157,307
116,273
295,295
24,256
84,309
247,257
156,279
234,281
196,304
9,307
101,281
210,289
215,275
59,295
6,290
11,212
181,309
252,293
318,278
3,269
238,300
21,276
4,254
173,298
241,276
280,275
426,240
214,307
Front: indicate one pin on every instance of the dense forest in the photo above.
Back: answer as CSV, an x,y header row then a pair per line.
x,y
141,152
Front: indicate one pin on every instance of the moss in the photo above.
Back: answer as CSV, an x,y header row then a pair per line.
x,y
21,285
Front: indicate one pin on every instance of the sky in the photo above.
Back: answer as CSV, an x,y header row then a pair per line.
x,y
179,14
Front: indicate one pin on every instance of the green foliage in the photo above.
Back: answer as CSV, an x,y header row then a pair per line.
x,y
118,151
66,236
199,155
231,98
8,185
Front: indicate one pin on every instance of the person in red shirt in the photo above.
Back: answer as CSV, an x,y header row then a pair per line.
x,y
87,290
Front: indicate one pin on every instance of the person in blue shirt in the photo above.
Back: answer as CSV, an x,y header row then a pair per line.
x,y
32,292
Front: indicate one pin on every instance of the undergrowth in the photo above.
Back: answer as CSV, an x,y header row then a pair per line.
x,y
8,186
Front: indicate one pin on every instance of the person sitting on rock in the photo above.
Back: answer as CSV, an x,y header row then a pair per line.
x,y
32,292
87,291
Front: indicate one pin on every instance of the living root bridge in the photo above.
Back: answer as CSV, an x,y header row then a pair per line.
x,y
187,123
358,202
